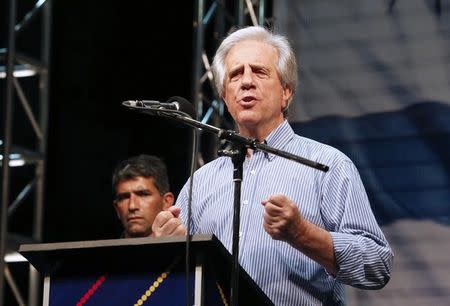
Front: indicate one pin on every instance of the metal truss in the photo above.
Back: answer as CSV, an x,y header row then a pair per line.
x,y
16,71
212,22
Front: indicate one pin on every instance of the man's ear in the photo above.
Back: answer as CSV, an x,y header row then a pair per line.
x,y
168,200
287,95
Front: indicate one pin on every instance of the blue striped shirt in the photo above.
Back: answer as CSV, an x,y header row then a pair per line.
x,y
335,200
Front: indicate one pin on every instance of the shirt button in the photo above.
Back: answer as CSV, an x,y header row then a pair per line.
x,y
241,234
245,202
252,172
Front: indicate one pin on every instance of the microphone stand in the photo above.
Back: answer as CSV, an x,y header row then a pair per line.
x,y
237,154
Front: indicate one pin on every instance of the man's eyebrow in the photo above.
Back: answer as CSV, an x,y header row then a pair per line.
x,y
241,66
140,190
235,69
122,196
123,193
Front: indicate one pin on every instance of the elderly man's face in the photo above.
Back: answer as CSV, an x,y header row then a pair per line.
x,y
137,203
253,91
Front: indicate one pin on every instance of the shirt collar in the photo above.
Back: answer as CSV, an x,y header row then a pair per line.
x,y
279,138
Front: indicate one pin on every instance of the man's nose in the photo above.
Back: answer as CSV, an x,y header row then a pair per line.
x,y
247,78
134,202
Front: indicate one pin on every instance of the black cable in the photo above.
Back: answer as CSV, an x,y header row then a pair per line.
x,y
189,210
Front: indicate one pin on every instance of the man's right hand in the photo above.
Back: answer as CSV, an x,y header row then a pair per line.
x,y
168,223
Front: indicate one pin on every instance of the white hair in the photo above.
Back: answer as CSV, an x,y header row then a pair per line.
x,y
286,66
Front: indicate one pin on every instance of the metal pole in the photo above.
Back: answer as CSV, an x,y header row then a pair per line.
x,y
43,121
240,14
13,285
33,287
238,157
197,56
262,12
8,118
198,33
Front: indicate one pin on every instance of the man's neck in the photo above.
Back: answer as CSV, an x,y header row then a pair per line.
x,y
259,133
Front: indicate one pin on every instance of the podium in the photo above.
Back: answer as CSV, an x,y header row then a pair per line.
x,y
139,271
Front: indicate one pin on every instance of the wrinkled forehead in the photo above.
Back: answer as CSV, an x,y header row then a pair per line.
x,y
251,52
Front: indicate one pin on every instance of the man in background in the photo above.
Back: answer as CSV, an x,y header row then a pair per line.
x,y
141,191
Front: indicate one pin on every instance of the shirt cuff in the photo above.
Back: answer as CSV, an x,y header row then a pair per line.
x,y
347,258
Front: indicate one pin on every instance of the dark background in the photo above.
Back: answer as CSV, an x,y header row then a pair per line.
x,y
105,52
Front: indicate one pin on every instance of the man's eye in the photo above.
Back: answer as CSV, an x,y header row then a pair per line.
x,y
234,77
122,196
142,193
260,72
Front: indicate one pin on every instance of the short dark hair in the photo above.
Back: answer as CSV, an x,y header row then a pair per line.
x,y
147,166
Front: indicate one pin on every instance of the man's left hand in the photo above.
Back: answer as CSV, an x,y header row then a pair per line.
x,y
168,223
282,219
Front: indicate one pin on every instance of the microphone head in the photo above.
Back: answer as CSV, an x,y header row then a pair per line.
x,y
183,105
132,103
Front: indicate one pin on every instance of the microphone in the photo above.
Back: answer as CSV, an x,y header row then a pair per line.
x,y
173,104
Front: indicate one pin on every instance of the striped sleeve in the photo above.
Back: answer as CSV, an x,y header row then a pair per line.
x,y
362,253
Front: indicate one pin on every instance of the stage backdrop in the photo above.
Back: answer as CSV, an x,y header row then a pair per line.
x,y
103,53
375,83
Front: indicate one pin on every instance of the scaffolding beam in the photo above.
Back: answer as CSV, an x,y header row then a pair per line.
x,y
19,65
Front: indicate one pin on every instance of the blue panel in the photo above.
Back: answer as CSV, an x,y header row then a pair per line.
x,y
403,158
